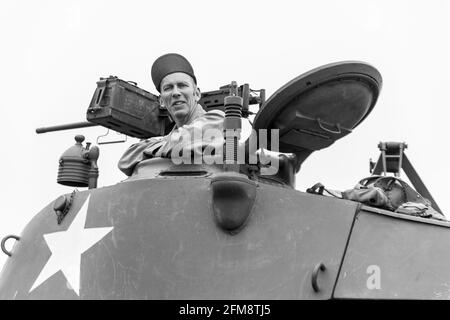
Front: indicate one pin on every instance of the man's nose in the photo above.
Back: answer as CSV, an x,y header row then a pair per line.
x,y
176,92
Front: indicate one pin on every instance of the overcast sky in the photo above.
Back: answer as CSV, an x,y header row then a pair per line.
x,y
53,52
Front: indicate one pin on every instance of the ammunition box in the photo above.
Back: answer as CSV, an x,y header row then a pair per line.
x,y
126,108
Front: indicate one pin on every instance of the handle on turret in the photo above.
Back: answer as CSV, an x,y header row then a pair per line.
x,y
319,267
8,253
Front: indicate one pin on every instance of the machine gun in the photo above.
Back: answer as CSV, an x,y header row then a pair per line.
x,y
124,107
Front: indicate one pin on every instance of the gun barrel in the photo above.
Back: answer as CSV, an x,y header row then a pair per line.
x,y
67,126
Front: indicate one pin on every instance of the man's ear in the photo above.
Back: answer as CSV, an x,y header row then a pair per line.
x,y
160,101
198,94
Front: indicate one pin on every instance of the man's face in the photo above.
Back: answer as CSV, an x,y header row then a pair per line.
x,y
179,95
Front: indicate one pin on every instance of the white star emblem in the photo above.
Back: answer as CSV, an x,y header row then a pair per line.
x,y
67,247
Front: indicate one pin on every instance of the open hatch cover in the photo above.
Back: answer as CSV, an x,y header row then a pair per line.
x,y
321,106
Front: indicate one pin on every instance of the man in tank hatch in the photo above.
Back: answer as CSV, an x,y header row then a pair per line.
x,y
174,78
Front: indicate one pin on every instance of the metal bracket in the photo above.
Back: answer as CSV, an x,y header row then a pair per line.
x,y
62,206
392,159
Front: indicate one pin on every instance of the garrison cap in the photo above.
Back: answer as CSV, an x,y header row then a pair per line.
x,y
170,63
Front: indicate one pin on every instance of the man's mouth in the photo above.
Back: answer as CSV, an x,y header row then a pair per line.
x,y
177,103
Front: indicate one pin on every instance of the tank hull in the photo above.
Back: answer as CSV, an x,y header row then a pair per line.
x,y
158,239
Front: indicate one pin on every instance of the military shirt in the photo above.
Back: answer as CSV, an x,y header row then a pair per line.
x,y
199,120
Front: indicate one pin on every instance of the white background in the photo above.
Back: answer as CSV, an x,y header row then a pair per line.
x,y
53,52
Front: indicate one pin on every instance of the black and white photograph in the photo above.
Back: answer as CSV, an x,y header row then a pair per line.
x,y
236,151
